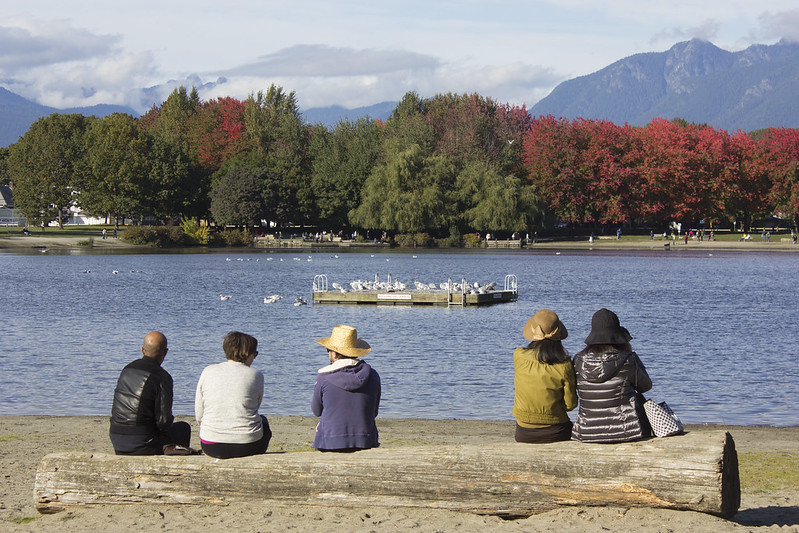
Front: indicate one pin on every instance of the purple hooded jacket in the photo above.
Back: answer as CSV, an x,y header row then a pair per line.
x,y
347,400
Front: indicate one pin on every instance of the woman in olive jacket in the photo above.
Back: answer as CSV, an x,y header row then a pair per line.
x,y
610,380
544,382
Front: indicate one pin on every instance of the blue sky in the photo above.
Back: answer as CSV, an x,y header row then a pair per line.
x,y
66,53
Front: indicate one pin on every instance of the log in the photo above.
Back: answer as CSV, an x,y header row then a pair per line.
x,y
697,471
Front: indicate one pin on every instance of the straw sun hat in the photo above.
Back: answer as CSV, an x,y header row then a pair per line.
x,y
545,324
344,340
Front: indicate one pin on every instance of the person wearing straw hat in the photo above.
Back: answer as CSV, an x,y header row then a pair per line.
x,y
610,382
346,395
544,382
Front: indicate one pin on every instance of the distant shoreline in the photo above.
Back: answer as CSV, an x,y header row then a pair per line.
x,y
604,244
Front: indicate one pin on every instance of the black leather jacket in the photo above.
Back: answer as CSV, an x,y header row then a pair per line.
x,y
142,399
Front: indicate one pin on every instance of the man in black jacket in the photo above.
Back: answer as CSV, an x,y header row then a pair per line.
x,y
141,415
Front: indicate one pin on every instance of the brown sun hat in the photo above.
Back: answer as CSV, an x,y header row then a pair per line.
x,y
344,340
545,324
606,329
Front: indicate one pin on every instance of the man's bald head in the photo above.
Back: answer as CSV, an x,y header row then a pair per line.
x,y
154,346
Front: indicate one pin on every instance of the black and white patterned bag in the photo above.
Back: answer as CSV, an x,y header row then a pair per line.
x,y
662,419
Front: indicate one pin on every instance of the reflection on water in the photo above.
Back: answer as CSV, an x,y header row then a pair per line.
x,y
715,331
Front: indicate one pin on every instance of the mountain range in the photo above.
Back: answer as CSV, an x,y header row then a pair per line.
x,y
17,114
693,80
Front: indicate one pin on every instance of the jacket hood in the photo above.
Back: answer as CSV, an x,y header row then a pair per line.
x,y
600,367
350,378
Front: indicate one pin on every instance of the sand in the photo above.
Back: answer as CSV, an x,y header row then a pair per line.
x,y
25,440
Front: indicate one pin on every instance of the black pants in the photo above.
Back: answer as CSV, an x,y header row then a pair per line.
x,y
179,433
554,433
222,450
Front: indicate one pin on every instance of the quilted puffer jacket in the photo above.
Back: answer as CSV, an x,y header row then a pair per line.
x,y
609,385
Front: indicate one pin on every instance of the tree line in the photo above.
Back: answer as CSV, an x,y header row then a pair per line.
x,y
444,166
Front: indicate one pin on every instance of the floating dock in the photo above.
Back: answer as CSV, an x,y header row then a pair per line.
x,y
462,295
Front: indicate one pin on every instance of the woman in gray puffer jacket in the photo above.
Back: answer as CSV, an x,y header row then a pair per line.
x,y
610,383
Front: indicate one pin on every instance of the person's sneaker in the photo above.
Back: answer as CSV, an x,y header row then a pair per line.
x,y
177,449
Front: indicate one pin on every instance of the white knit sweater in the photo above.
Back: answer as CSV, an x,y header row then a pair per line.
x,y
227,401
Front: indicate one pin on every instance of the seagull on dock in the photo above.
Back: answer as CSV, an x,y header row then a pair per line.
x,y
224,297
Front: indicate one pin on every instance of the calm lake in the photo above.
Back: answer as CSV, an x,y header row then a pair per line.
x,y
717,332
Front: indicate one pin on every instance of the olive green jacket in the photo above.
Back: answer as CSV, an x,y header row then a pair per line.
x,y
543,392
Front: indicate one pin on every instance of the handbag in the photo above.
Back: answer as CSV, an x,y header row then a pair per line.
x,y
662,419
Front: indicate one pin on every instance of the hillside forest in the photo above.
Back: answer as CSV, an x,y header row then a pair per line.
x,y
445,166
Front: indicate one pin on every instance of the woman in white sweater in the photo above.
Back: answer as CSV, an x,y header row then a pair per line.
x,y
227,401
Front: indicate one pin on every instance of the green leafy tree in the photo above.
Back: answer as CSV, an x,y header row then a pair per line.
x,y
280,139
496,202
407,127
412,193
5,179
118,164
47,168
178,185
236,200
342,161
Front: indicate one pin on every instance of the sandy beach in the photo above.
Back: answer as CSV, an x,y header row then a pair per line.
x,y
25,440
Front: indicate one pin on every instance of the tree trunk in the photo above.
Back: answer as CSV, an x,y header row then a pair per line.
x,y
696,471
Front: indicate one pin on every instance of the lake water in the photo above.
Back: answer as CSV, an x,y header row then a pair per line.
x,y
717,332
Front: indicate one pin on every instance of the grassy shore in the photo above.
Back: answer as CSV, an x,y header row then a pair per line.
x,y
87,237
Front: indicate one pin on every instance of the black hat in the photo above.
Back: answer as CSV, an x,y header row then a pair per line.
x,y
605,329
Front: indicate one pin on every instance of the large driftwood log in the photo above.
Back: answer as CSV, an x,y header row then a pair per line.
x,y
697,471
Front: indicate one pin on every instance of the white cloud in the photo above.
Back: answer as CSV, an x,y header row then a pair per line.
x,y
352,52
22,48
320,60
778,25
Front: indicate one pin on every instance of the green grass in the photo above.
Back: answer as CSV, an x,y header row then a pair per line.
x,y
24,519
768,472
68,231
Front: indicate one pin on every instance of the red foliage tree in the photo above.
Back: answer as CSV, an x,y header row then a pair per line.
x,y
217,132
778,156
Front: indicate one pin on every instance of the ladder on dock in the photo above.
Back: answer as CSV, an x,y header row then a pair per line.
x,y
450,302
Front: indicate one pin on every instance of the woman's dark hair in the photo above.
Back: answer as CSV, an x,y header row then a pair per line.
x,y
608,348
239,346
550,351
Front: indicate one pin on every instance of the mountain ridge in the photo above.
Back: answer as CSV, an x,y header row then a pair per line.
x,y
693,80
